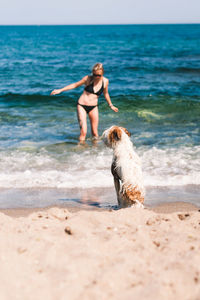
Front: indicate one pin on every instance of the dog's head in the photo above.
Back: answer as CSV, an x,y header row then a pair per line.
x,y
113,135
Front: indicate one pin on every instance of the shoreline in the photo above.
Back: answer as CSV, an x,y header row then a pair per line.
x,y
83,198
164,208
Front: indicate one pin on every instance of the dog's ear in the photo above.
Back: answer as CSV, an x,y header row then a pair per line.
x,y
115,134
126,131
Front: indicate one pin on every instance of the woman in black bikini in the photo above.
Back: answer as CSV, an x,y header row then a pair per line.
x,y
95,85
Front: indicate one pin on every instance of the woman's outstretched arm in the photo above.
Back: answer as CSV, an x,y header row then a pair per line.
x,y
70,86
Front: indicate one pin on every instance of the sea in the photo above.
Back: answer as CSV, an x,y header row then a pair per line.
x,y
154,80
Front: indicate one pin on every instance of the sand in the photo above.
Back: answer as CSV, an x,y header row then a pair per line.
x,y
97,254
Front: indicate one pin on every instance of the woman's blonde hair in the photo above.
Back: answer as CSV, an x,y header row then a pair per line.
x,y
98,66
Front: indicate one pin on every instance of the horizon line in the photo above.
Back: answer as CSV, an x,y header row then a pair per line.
x,y
103,24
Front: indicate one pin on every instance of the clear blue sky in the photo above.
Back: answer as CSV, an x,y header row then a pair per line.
x,y
98,11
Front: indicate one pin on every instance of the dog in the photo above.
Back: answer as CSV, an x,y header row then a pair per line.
x,y
125,167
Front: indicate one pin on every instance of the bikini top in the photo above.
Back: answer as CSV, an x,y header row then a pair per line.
x,y
90,89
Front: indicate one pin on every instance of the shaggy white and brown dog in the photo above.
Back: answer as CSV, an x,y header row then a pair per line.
x,y
126,167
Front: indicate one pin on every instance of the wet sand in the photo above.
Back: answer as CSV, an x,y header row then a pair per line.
x,y
161,208
55,253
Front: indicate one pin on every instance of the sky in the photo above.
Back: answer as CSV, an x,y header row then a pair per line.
x,y
39,12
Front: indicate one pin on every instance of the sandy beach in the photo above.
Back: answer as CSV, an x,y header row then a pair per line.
x,y
130,253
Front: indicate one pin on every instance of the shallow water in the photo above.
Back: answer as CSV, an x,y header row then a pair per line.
x,y
98,198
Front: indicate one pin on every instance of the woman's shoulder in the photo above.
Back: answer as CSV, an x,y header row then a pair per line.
x,y
105,81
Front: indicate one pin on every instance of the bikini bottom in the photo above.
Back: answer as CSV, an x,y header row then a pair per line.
x,y
87,108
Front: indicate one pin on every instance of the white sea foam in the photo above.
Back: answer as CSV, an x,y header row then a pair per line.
x,y
171,167
31,170
167,167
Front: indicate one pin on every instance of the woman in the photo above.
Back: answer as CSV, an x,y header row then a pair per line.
x,y
95,85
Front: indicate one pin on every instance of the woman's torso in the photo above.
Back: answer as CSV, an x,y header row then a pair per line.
x,y
92,92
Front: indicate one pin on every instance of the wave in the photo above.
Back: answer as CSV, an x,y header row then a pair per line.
x,y
164,69
163,108
161,167
36,99
119,93
137,110
188,70
150,108
27,97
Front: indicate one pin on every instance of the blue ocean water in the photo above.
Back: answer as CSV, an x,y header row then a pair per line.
x,y
154,75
